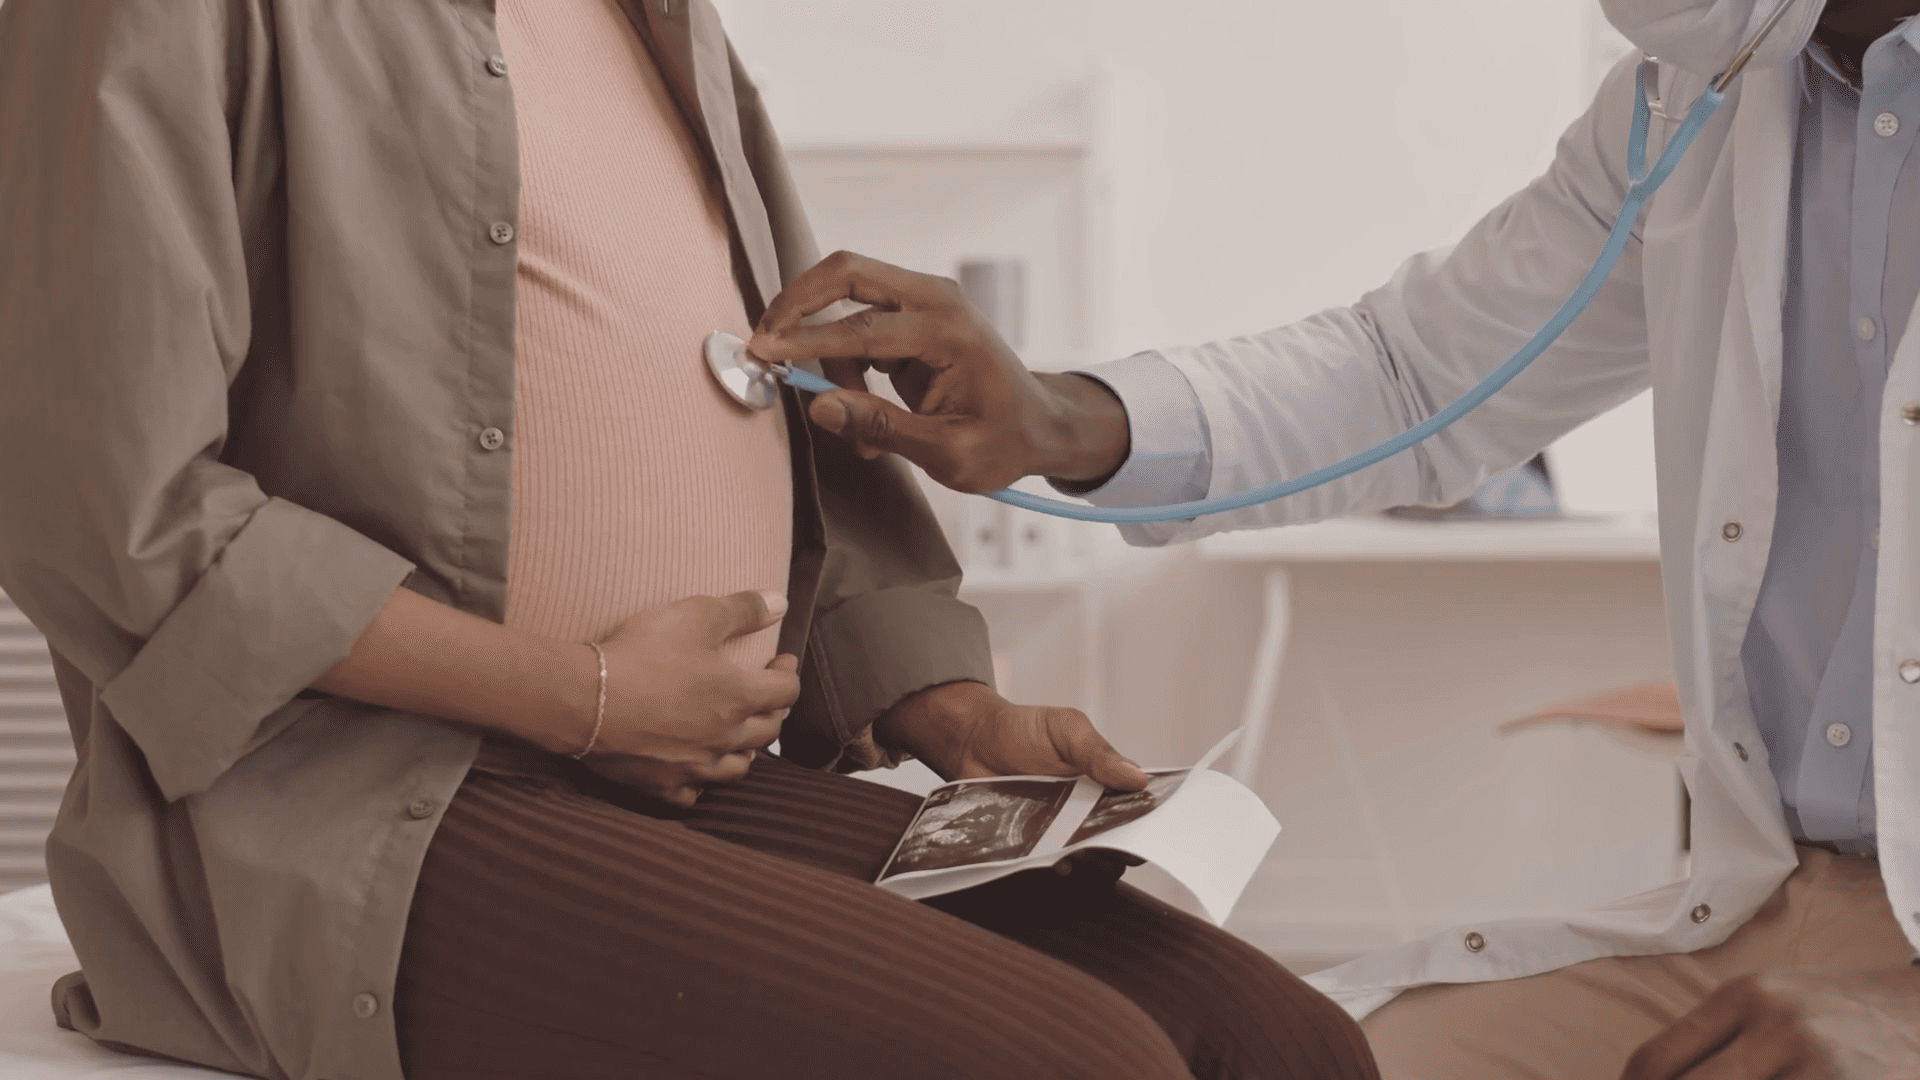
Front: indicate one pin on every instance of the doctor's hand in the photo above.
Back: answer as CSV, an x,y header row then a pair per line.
x,y
1803,1024
979,421
680,715
965,730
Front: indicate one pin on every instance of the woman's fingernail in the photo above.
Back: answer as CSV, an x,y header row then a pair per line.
x,y
776,603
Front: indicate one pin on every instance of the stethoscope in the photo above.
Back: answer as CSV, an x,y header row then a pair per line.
x,y
756,384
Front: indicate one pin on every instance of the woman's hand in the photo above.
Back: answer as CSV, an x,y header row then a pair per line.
x,y
679,714
965,730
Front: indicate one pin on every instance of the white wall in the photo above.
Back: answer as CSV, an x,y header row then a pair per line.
x,y
1276,157
1254,161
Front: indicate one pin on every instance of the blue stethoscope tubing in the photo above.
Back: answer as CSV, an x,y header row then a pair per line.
x,y
1643,185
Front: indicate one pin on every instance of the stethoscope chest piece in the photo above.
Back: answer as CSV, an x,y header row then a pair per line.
x,y
745,379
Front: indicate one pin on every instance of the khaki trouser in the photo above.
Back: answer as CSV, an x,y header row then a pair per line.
x,y
1583,1022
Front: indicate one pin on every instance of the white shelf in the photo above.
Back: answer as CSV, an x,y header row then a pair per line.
x,y
1591,538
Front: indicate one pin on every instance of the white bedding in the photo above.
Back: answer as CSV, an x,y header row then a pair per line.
x,y
33,953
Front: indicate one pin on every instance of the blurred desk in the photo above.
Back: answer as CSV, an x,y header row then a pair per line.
x,y
1580,538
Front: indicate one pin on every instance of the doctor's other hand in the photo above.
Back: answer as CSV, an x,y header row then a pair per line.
x,y
979,421
966,730
680,715
1796,1024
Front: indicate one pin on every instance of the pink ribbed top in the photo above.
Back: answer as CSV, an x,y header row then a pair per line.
x,y
636,480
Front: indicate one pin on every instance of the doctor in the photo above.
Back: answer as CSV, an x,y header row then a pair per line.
x,y
1766,300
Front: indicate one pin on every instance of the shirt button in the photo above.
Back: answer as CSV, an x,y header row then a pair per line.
x,y
1867,328
1475,942
421,808
497,65
1910,671
365,1005
1741,750
1701,913
501,233
1886,125
492,439
1839,735
1732,532
1910,412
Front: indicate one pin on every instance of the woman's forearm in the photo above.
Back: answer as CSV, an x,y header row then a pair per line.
x,y
425,657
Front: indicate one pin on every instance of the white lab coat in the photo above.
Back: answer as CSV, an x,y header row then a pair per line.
x,y
1695,311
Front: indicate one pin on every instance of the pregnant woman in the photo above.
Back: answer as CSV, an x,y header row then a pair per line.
x,y
423,613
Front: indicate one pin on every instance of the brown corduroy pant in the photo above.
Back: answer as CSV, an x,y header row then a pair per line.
x,y
564,928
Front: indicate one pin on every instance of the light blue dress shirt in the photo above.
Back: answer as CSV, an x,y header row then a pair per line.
x,y
1854,275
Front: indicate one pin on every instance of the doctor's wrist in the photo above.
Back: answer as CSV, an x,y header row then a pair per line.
x,y
1087,436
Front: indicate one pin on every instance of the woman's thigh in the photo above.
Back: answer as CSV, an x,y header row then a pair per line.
x,y
1229,1008
555,935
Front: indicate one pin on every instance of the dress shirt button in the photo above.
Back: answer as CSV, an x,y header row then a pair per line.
x,y
1475,942
1910,412
1732,532
497,65
1867,328
1701,913
1839,735
501,233
1741,750
1886,125
365,1005
421,808
1910,671
492,439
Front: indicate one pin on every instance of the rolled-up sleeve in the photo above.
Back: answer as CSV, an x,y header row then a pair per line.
x,y
197,603
887,621
1287,401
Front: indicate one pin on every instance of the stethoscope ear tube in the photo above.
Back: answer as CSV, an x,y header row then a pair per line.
x,y
1745,56
755,384
1642,185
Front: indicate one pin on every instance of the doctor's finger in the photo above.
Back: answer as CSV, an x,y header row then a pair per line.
x,y
847,372
867,334
842,275
877,426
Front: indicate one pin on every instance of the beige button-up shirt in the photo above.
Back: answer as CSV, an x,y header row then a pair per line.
x,y
257,269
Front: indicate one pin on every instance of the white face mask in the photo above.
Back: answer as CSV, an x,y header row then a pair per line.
x,y
1701,36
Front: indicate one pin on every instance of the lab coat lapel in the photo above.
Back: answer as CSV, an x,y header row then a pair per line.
x,y
1763,186
692,51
